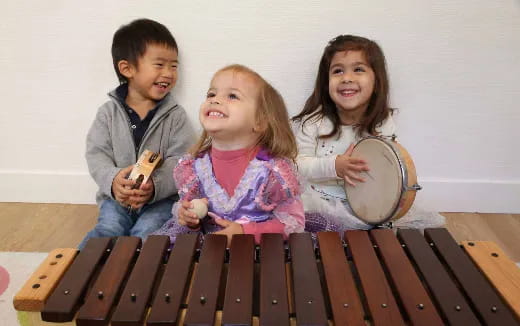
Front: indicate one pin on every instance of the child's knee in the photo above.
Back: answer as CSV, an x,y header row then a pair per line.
x,y
111,229
146,226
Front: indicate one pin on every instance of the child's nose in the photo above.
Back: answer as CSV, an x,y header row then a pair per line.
x,y
216,99
169,71
347,78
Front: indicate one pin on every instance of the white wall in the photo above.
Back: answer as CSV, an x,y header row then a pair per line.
x,y
454,68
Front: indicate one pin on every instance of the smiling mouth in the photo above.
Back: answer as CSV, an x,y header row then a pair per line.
x,y
348,92
162,85
216,114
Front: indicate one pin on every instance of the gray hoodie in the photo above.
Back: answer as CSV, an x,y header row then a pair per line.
x,y
110,145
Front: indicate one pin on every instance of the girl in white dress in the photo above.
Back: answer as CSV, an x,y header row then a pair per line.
x,y
349,102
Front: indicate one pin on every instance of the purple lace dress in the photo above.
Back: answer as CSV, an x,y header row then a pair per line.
x,y
267,186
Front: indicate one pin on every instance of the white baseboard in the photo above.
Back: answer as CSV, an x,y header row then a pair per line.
x,y
459,195
443,195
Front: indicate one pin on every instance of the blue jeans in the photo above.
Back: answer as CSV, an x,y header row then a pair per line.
x,y
115,220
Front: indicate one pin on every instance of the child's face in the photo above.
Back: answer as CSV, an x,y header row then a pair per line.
x,y
155,74
351,84
228,113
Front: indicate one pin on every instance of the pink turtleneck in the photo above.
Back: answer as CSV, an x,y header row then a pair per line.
x,y
229,167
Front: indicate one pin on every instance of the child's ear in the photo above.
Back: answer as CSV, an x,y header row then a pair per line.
x,y
125,68
259,127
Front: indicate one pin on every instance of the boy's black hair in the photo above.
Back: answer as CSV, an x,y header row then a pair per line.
x,y
130,41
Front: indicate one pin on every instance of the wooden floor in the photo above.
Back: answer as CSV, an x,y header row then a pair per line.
x,y
43,227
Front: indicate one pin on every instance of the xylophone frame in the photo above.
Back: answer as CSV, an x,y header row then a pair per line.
x,y
367,278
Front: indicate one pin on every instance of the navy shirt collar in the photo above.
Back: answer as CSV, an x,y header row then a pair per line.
x,y
137,125
122,93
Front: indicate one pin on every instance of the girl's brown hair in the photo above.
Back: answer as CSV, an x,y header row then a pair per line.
x,y
271,115
320,104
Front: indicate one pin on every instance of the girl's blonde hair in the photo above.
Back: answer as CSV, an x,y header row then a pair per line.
x,y
271,116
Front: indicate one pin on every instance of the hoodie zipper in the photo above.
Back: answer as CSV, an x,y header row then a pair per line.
x,y
148,131
129,122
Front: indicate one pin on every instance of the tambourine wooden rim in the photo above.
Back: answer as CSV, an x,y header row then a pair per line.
x,y
408,188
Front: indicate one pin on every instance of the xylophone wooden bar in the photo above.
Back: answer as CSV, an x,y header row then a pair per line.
x,y
444,290
274,306
105,292
133,304
67,298
343,295
381,303
416,302
488,304
174,284
206,283
499,270
238,304
309,302
357,280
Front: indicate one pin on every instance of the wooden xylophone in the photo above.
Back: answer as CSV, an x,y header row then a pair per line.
x,y
368,278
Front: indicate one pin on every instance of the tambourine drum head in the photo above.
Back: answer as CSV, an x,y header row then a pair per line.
x,y
375,200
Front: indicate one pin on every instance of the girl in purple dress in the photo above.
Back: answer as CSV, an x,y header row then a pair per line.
x,y
242,165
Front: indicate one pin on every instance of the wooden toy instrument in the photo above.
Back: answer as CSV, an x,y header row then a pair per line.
x,y
144,167
369,278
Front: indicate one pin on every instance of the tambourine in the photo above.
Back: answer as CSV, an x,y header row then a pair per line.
x,y
390,186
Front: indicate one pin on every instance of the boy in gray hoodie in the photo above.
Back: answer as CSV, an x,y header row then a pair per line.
x,y
140,114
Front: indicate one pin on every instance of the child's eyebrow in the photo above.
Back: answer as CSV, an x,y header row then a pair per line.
x,y
354,64
359,63
235,89
230,89
238,91
164,59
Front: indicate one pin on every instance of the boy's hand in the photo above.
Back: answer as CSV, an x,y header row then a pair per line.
x,y
188,217
230,227
142,195
348,167
121,186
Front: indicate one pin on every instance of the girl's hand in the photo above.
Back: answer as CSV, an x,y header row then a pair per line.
x,y
186,216
230,227
349,168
